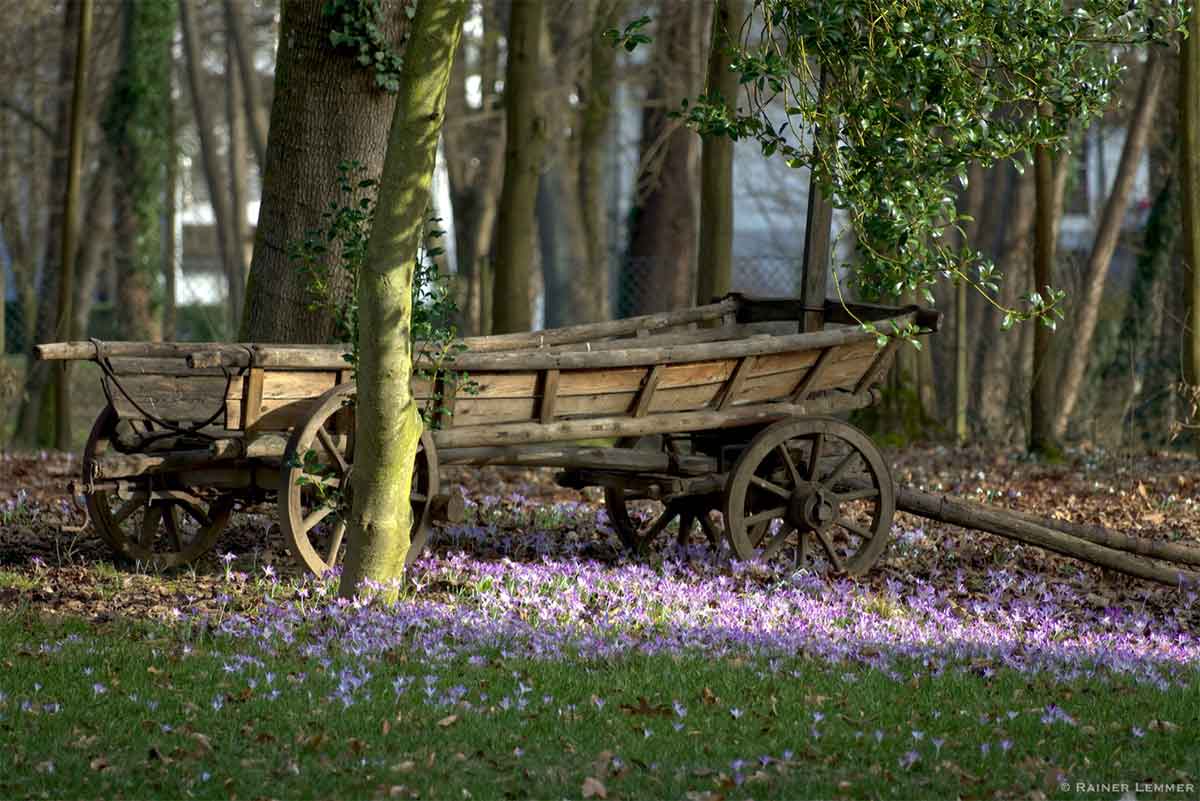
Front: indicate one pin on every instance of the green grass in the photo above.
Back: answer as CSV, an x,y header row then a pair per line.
x,y
209,734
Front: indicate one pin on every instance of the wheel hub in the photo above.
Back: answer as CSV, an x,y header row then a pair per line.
x,y
812,507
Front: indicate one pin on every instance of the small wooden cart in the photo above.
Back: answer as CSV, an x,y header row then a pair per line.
x,y
721,408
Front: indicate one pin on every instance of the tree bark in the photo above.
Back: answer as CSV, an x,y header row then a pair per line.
x,y
214,176
30,431
1189,174
170,241
524,141
714,273
974,203
1108,233
241,44
326,109
236,123
661,268
387,423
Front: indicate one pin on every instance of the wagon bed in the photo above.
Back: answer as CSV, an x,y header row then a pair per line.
x,y
197,428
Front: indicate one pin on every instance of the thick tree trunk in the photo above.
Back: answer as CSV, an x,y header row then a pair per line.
x,y
218,195
29,432
1189,174
387,423
524,141
241,44
1108,233
326,109
661,265
714,272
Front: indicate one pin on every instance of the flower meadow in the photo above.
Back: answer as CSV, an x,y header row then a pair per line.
x,y
525,657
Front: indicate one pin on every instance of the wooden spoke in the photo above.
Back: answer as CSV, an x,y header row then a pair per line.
x,y
839,471
767,485
332,450
125,510
319,514
777,542
815,459
710,531
149,528
418,497
833,555
196,513
854,528
858,495
687,519
790,462
171,520
766,515
335,542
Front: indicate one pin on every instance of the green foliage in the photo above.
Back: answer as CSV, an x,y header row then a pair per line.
x,y
903,95
631,37
339,247
357,26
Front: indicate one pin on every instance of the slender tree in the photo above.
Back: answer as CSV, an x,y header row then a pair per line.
x,y
228,250
715,269
34,427
1041,400
241,44
525,136
387,422
1189,174
1108,233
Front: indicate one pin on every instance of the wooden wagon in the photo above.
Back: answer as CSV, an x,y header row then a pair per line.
x,y
717,409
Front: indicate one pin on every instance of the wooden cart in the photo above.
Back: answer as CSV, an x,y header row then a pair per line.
x,y
721,408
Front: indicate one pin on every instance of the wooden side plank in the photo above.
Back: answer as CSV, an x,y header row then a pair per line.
x,y
646,395
549,395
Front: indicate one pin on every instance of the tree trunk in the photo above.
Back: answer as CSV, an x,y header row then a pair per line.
x,y
241,44
170,241
227,249
1041,399
974,203
593,286
659,275
326,109
387,423
554,249
30,431
70,228
714,273
1189,174
235,119
524,140
474,144
1108,233
93,254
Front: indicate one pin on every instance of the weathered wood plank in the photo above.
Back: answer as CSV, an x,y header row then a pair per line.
x,y
182,398
808,383
734,388
252,402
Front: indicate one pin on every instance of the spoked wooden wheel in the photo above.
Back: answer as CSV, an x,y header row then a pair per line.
x,y
159,522
640,522
825,490
317,477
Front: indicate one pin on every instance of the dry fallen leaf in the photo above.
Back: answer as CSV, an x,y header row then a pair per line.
x,y
594,788
448,721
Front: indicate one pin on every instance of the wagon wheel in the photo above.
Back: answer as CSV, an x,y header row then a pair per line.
x,y
639,522
166,531
823,486
316,490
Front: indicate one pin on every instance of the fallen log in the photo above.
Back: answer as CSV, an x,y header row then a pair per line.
x,y
967,514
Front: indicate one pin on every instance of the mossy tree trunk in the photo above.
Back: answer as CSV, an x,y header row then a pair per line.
x,y
387,422
1189,173
525,136
714,271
